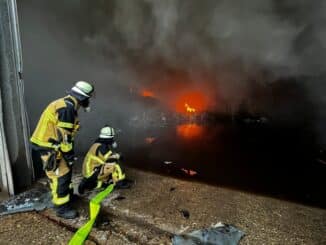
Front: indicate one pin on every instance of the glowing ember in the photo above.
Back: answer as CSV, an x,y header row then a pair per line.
x,y
190,131
149,140
147,93
189,109
189,172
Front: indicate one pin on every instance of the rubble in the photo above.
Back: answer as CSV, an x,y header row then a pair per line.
x,y
34,199
218,234
185,213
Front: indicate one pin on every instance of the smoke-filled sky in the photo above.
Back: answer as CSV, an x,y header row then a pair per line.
x,y
220,46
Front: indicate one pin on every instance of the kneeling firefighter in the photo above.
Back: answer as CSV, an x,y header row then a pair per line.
x,y
100,165
53,144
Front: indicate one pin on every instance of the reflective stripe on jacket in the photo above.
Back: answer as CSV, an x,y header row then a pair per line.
x,y
93,159
57,125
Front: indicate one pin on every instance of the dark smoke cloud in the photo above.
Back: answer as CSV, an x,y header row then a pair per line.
x,y
123,43
233,41
286,38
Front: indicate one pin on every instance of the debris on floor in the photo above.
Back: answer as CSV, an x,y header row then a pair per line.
x,y
218,234
119,198
35,199
172,189
174,168
185,213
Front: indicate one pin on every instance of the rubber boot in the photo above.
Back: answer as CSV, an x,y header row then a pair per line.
x,y
87,184
73,197
82,186
66,211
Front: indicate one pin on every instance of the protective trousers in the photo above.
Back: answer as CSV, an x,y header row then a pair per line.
x,y
102,174
59,174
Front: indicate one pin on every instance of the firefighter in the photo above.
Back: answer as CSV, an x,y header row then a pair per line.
x,y
53,144
100,166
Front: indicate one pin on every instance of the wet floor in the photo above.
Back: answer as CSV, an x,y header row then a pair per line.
x,y
255,157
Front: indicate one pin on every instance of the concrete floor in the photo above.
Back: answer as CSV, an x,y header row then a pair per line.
x,y
157,200
150,213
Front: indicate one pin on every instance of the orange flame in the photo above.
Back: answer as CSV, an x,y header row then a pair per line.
x,y
189,109
191,102
190,131
147,93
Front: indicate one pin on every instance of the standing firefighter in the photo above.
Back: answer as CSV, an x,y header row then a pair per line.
x,y
53,144
100,164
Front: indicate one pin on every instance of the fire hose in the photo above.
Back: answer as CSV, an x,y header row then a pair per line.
x,y
94,209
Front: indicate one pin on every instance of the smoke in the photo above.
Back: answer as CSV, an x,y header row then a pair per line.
x,y
231,42
123,43
286,39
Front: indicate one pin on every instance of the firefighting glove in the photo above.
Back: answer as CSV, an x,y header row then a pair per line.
x,y
97,169
72,162
114,158
49,161
69,157
118,156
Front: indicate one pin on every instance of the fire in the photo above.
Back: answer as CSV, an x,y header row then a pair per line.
x,y
189,172
190,102
189,109
147,93
190,131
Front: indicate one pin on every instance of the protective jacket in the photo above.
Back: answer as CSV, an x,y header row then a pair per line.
x,y
57,125
101,161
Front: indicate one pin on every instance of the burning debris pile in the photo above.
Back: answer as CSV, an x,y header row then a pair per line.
x,y
160,109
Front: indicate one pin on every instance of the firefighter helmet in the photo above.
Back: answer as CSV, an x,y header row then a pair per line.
x,y
82,90
107,133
